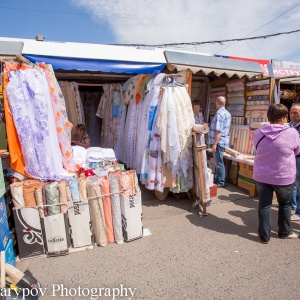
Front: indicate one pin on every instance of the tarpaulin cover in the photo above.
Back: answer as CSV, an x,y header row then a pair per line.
x,y
62,63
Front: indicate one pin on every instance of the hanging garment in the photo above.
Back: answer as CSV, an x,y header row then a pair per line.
x,y
118,121
78,102
104,111
30,104
63,126
71,106
17,162
129,145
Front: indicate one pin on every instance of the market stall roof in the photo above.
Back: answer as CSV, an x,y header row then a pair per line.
x,y
211,64
94,57
9,49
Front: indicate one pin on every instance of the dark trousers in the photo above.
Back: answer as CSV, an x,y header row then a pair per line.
x,y
284,195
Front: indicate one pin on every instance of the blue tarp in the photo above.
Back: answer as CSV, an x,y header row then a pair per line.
x,y
63,63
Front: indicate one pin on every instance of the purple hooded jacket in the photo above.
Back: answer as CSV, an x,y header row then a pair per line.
x,y
275,162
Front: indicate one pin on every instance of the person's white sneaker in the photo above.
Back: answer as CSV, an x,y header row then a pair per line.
x,y
295,218
292,235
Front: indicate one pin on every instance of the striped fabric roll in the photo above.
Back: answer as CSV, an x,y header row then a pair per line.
x,y
237,120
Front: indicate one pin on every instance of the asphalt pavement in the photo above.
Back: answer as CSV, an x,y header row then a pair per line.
x,y
186,257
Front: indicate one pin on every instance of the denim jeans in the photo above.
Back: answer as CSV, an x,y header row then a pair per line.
x,y
284,195
219,177
297,186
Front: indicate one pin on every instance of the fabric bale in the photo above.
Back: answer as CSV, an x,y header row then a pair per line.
x,y
52,195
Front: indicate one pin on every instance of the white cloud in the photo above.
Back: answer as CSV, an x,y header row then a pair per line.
x,y
176,21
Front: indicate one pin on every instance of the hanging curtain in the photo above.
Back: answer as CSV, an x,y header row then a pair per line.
x,y
30,103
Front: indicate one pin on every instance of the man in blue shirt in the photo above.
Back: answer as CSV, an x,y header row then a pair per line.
x,y
295,123
219,139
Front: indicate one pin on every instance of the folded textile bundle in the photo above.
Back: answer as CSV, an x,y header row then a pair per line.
x,y
217,89
236,100
258,87
258,98
258,82
235,88
235,94
257,107
78,156
236,113
235,107
257,103
258,93
256,114
255,125
250,120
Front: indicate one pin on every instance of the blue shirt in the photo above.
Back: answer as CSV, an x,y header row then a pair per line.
x,y
221,122
297,127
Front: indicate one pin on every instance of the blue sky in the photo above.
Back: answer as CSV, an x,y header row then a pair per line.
x,y
160,22
56,20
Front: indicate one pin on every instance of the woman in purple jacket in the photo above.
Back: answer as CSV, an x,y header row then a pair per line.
x,y
275,170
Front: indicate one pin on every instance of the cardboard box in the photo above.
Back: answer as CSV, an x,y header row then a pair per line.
x,y
233,172
29,232
10,257
2,182
56,234
80,224
131,209
246,170
248,185
213,191
4,228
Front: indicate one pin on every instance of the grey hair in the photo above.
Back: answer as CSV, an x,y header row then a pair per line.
x,y
221,100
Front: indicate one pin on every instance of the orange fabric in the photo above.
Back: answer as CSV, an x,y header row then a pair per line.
x,y
106,200
17,162
138,88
